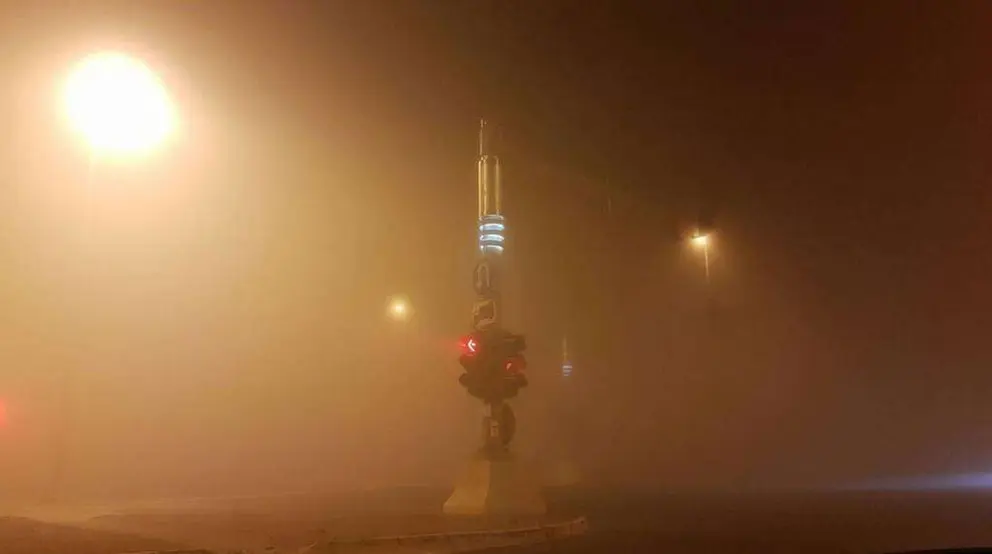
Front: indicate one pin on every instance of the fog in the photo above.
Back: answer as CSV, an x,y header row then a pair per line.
x,y
216,311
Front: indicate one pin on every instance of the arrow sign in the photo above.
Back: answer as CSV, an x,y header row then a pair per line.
x,y
484,314
482,280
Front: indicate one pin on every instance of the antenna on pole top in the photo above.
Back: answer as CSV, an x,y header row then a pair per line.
x,y
483,137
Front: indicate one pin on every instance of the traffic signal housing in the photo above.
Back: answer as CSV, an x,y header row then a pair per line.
x,y
494,364
514,363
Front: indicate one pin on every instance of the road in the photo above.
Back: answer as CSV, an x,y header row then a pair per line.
x,y
799,522
273,523
807,523
26,536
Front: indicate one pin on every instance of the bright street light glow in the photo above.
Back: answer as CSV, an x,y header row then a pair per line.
x,y
399,309
118,104
701,240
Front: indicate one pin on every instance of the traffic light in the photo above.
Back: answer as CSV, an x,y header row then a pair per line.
x,y
473,360
469,357
513,363
469,345
512,344
516,364
494,364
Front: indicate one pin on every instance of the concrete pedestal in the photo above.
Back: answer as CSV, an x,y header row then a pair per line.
x,y
496,485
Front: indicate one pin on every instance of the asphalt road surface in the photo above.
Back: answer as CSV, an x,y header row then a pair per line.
x,y
26,536
807,523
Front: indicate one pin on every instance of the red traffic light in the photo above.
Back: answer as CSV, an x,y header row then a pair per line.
x,y
469,345
516,364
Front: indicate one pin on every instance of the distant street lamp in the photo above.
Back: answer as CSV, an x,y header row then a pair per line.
x,y
118,105
402,351
399,309
702,241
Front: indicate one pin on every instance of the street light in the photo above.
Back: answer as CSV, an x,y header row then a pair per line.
x,y
702,241
118,105
120,108
399,309
403,350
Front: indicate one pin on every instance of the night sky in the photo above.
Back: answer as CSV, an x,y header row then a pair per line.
x,y
326,161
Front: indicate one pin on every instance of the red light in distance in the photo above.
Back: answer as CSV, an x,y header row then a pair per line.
x,y
469,345
516,364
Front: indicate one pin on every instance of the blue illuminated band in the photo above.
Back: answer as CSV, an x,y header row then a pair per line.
x,y
491,234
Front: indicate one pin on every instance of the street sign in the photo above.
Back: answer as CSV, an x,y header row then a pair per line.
x,y
484,314
482,280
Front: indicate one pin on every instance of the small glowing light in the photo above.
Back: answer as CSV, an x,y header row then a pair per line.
x,y
491,248
494,238
701,240
471,346
513,366
485,227
566,369
399,308
118,104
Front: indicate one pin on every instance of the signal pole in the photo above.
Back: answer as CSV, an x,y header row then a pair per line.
x,y
493,361
488,370
566,360
491,234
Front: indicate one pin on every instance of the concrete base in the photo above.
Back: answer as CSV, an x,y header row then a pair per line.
x,y
496,486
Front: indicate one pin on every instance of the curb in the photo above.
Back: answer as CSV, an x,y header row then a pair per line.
x,y
180,551
463,540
